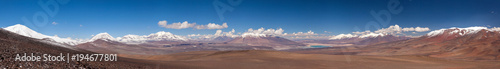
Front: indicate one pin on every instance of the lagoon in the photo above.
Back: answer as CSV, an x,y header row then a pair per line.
x,y
318,46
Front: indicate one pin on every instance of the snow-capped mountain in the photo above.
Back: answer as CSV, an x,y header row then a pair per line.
x,y
25,31
159,36
474,43
460,31
370,38
211,39
104,36
452,33
162,35
132,38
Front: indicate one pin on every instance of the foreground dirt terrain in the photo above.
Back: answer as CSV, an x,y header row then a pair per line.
x,y
260,59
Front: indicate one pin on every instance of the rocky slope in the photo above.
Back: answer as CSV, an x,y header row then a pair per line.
x,y
12,44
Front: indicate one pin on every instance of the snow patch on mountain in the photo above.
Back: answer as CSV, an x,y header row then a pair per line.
x,y
132,38
162,35
104,36
347,36
159,36
25,31
495,29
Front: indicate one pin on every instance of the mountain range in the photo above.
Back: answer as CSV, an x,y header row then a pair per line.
x,y
472,43
453,43
160,37
351,40
475,43
25,31
30,42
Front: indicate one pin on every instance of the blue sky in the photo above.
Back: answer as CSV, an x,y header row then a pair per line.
x,y
83,18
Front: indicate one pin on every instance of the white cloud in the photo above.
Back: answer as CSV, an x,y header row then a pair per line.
x,y
280,32
54,23
162,23
395,29
177,25
229,33
186,24
390,29
218,32
371,35
419,29
212,26
263,32
81,25
342,36
308,33
327,32
365,32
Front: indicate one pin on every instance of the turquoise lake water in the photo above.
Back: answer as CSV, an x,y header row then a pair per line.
x,y
319,46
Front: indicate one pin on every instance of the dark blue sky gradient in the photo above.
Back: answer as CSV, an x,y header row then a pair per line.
x,y
140,17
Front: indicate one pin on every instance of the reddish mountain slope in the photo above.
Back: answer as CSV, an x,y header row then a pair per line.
x,y
481,44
